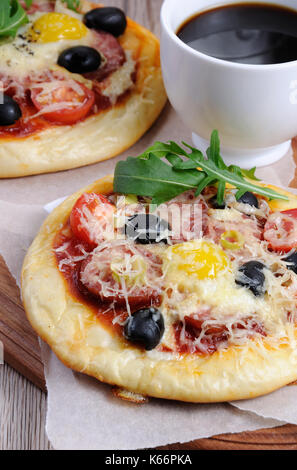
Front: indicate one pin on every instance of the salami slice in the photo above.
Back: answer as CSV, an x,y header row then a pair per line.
x,y
113,53
100,278
46,7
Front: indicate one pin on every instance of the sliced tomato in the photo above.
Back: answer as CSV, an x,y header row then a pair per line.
x,y
281,231
65,103
91,219
291,212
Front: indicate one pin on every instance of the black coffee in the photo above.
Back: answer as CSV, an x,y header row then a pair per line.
x,y
245,33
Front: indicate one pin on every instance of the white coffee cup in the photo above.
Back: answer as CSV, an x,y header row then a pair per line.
x,y
254,107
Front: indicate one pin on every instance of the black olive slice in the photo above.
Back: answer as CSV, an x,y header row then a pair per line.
x,y
146,229
251,275
110,19
250,199
80,59
291,262
215,205
145,327
10,112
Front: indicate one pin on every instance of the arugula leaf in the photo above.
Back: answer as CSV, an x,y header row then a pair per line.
x,y
148,175
12,16
213,152
213,168
28,3
250,174
162,150
152,177
72,4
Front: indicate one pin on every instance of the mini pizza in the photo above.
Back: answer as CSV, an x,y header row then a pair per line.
x,y
81,84
168,281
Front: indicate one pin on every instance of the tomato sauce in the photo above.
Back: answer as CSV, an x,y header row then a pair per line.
x,y
24,127
27,126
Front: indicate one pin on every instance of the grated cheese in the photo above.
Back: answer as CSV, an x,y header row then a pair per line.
x,y
120,81
216,302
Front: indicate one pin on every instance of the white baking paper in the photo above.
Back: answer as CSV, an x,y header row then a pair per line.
x,y
280,404
41,189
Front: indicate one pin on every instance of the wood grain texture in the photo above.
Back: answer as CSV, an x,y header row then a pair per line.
x,y
22,413
280,438
21,348
23,405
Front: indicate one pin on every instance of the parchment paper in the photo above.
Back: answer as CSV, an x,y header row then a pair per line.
x,y
82,413
41,189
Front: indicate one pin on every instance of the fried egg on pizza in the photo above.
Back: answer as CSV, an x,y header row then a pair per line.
x,y
80,85
168,283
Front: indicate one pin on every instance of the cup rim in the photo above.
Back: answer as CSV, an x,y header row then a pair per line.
x,y
214,60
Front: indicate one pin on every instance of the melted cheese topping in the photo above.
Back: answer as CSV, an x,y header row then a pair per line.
x,y
198,279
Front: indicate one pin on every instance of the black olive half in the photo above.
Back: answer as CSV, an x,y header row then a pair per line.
x,y
291,262
214,203
110,19
80,59
250,199
251,275
146,229
10,112
145,327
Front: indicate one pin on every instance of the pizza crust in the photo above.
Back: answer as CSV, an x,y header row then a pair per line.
x,y
101,136
85,345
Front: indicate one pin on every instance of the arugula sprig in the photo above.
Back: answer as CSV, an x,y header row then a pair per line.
x,y
149,175
12,17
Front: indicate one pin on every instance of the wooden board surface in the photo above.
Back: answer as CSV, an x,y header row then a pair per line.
x,y
21,348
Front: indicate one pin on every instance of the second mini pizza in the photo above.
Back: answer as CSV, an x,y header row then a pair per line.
x,y
80,85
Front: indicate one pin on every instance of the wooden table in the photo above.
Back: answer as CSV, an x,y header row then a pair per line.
x,y
23,405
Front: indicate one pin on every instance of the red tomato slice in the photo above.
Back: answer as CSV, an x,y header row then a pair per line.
x,y
72,102
281,231
91,219
291,212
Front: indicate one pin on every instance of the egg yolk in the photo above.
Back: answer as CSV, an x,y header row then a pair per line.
x,y
202,259
55,26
